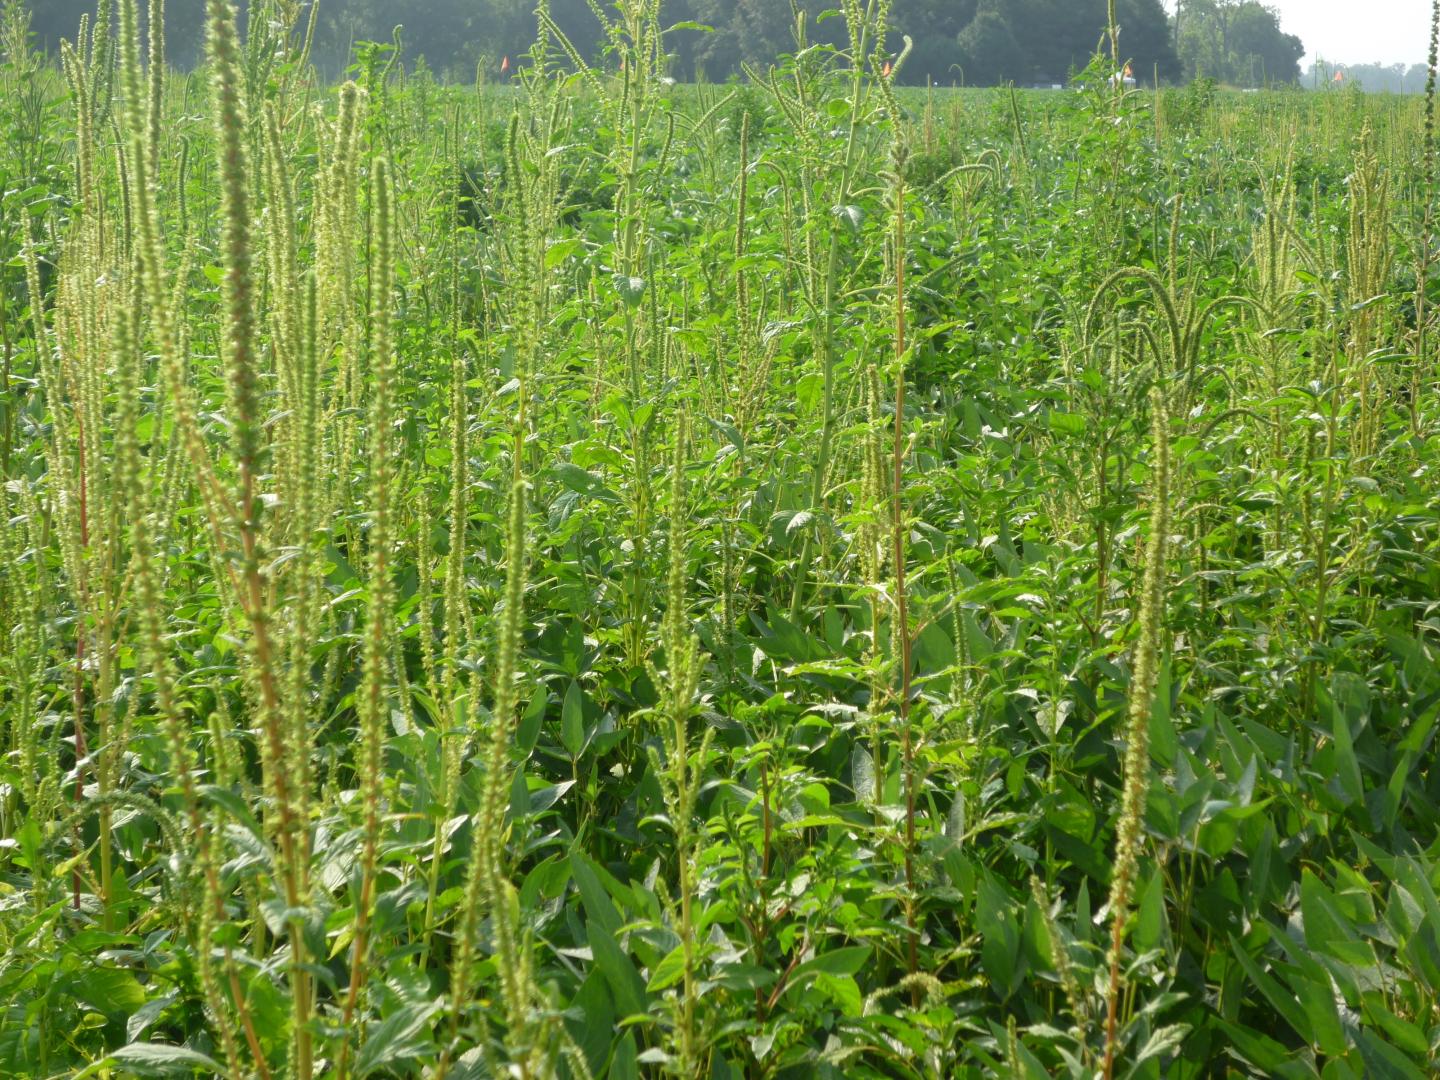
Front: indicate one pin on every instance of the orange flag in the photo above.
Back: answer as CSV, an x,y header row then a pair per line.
x,y
505,66
886,72
1339,76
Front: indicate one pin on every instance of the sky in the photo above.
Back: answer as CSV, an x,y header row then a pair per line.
x,y
1357,31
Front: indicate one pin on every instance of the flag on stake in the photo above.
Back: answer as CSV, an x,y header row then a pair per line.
x,y
505,66
1339,76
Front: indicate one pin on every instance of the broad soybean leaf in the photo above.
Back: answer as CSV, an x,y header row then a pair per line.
x,y
1327,930
145,1016
1259,1050
599,908
955,820
1281,1000
583,482
542,799
560,250
631,289
1150,924
843,991
112,991
471,1065
669,971
1000,936
591,1020
572,720
235,806
1318,1000
740,976
862,774
618,970
527,733
1405,1035
399,1037
1385,1062
844,961
1347,776
851,215
1064,423
1162,1041
162,1059
625,1065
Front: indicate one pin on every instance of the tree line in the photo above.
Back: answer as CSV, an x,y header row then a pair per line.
x,y
1376,78
969,42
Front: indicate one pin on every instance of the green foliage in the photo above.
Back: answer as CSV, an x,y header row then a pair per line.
x,y
712,38
1239,42
601,576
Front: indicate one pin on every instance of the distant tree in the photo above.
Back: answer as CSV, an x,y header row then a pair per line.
x,y
1262,52
53,20
1054,37
1146,41
1237,41
989,52
990,40
934,27
1377,78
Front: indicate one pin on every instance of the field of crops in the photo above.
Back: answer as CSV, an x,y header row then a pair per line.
x,y
594,577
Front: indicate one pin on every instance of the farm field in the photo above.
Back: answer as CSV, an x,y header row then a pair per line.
x,y
591,576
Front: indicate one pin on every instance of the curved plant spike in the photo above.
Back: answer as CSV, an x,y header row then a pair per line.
x,y
374,706
1183,319
1149,644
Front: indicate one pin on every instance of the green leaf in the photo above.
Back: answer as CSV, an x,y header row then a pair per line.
x,y
1385,1062
631,289
112,991
843,961
527,732
618,970
1150,922
402,1036
1281,1000
572,720
162,1059
740,976
1162,1041
237,809
1065,423
1000,935
624,1064
1348,768
669,971
852,216
144,1017
599,908
955,819
561,250
1327,930
1259,1050
862,775
843,991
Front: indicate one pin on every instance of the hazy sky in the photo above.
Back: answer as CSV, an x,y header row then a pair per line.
x,y
1357,31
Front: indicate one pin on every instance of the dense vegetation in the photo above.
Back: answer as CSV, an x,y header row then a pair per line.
x,y
956,40
1374,78
603,577
977,42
